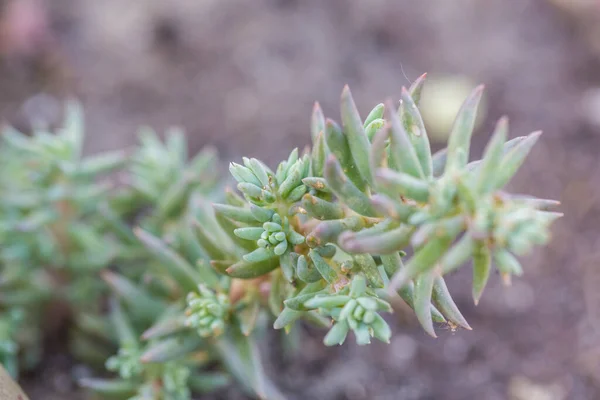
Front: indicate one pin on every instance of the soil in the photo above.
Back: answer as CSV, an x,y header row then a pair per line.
x,y
242,76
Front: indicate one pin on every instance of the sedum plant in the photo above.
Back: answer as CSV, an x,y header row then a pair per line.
x,y
170,285
329,228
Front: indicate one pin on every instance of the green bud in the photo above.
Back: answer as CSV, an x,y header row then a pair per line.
x,y
337,334
507,263
207,311
347,310
381,330
281,248
286,317
363,336
293,179
260,171
326,302
368,303
272,227
243,174
375,114
258,255
249,233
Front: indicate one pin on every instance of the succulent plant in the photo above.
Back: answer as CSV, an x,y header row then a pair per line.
x,y
322,237
373,188
207,311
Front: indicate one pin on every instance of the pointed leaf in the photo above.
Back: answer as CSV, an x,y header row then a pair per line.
x,y
422,301
122,325
459,142
396,184
337,144
328,231
367,265
319,184
110,387
249,270
458,254
317,122
138,300
319,154
422,261
438,162
355,134
165,327
416,88
514,159
402,151
323,267
443,301
384,242
381,330
287,317
171,349
173,263
481,269
414,126
492,157
321,209
239,214
248,316
345,190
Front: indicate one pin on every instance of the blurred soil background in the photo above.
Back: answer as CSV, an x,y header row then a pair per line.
x,y
242,75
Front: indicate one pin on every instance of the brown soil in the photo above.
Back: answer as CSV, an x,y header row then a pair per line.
x,y
242,75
